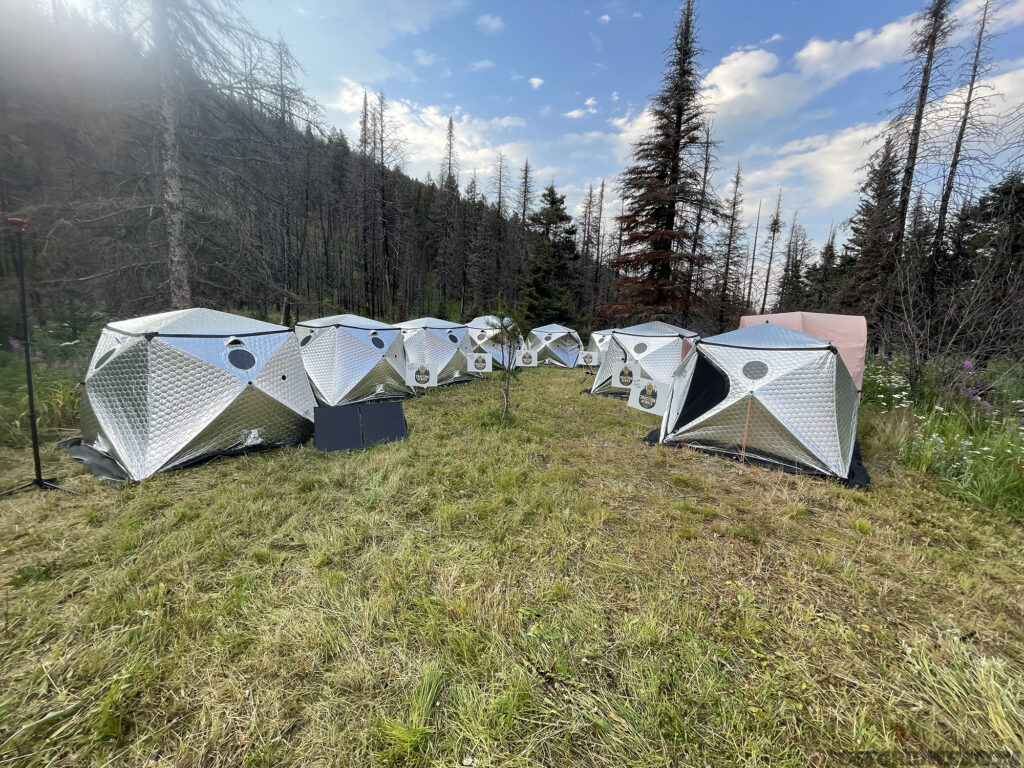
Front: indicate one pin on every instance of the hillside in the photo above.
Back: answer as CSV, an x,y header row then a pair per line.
x,y
545,592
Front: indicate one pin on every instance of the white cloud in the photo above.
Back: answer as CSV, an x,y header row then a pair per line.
x,y
536,82
476,66
423,58
490,24
604,18
590,102
423,129
576,113
615,95
545,110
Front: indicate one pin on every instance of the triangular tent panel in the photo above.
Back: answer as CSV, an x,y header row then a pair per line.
x,y
352,359
434,351
554,345
652,351
156,384
593,353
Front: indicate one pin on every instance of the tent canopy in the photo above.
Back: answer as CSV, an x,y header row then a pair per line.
x,y
847,333
770,393
346,321
554,344
654,328
433,323
194,322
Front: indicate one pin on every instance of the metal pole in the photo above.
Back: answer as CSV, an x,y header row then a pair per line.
x,y
20,265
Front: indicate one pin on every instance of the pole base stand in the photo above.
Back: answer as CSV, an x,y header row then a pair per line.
x,y
43,485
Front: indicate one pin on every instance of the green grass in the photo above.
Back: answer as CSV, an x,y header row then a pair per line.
x,y
545,592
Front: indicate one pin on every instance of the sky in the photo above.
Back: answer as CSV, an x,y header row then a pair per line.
x,y
798,88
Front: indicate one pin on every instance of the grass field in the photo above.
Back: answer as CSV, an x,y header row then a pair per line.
x,y
544,592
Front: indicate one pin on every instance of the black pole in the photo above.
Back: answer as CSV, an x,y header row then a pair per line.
x,y
20,267
19,226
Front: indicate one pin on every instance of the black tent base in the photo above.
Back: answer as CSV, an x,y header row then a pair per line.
x,y
104,467
613,395
858,479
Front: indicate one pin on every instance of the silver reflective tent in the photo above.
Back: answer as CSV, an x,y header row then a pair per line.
x,y
352,359
767,393
593,353
481,338
434,351
650,351
165,390
554,344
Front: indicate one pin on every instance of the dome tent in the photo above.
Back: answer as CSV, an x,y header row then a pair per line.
x,y
166,390
435,352
481,337
596,345
650,351
351,359
769,394
554,345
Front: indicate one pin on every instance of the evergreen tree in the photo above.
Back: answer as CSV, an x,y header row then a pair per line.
x,y
660,189
552,267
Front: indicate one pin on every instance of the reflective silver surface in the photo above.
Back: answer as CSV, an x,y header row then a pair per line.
x,y
651,351
554,345
435,349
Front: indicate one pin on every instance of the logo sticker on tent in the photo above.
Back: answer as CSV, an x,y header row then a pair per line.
x,y
422,375
625,376
648,396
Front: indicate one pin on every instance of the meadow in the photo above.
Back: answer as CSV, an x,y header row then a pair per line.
x,y
542,591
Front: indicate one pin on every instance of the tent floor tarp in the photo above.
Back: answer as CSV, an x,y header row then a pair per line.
x,y
858,479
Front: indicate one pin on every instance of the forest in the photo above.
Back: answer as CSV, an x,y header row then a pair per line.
x,y
166,156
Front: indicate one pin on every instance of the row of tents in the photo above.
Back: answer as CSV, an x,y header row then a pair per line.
x,y
165,390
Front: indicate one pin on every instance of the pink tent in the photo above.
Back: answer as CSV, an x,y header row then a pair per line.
x,y
847,333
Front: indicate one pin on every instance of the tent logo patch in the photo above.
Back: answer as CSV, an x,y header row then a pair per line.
x,y
422,375
648,396
588,358
527,358
625,376
479,363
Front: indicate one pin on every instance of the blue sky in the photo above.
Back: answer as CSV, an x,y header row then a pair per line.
x,y
797,87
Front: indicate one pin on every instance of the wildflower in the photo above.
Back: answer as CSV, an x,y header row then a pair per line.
x,y
15,344
39,353
968,365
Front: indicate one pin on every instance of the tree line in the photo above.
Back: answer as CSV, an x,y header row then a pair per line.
x,y
166,157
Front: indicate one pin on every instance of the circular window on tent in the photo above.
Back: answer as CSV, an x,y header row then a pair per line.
x,y
755,370
640,348
453,338
103,358
481,336
242,359
306,340
378,342
548,337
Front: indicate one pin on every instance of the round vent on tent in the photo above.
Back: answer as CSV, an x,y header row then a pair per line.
x,y
640,348
755,369
234,341
306,340
378,342
242,359
481,336
453,338
103,358
548,337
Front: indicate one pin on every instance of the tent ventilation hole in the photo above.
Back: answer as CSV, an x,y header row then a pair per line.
x,y
233,342
755,370
453,338
378,342
242,359
481,336
640,348
284,377
306,340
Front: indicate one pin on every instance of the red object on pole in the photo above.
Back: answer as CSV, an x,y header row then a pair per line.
x,y
18,223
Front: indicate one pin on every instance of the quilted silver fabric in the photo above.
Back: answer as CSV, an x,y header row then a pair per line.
x,y
554,345
155,401
790,401
652,350
594,351
352,359
437,345
481,338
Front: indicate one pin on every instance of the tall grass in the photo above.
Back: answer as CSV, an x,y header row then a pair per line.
x,y
972,441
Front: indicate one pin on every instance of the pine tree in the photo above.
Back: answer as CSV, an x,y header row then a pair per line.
x,y
868,288
552,268
664,183
731,243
